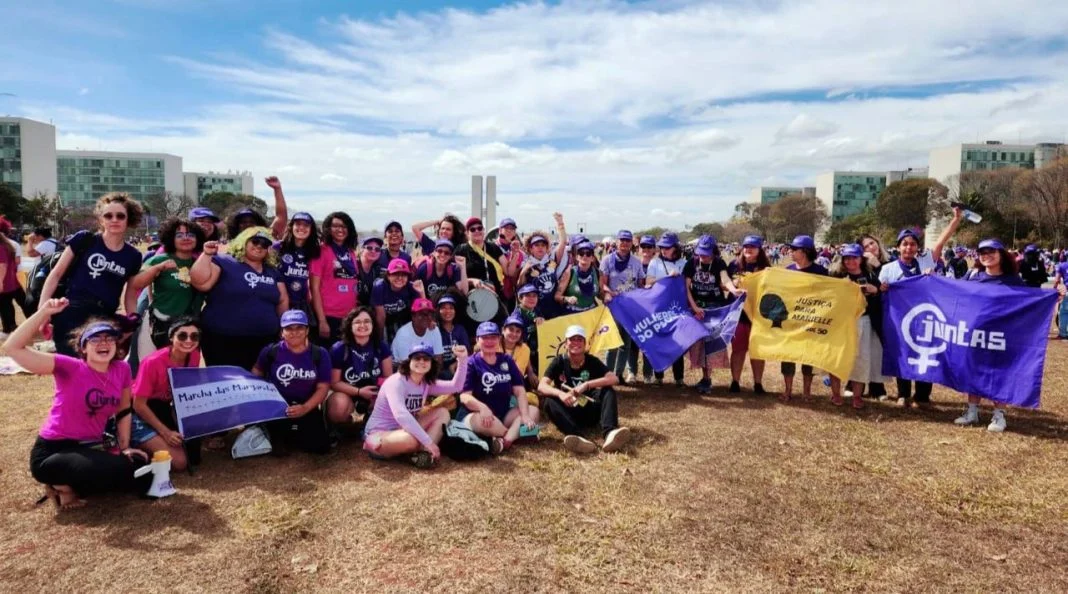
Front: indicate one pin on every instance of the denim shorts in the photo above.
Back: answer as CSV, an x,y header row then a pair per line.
x,y
140,431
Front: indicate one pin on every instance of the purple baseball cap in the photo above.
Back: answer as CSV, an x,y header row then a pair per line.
x,y
303,216
202,212
625,235
753,241
506,222
294,317
852,250
97,329
706,246
990,244
487,329
803,242
420,348
647,240
527,289
668,240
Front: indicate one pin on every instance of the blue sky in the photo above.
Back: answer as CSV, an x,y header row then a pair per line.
x,y
625,112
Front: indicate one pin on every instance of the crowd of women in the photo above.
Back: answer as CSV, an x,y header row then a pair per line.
x,y
362,338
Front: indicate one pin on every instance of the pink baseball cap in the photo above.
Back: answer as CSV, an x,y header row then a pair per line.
x,y
422,304
398,265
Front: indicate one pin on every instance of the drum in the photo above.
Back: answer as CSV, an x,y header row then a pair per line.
x,y
482,305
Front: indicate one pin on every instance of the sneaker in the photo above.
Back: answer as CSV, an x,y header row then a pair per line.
x,y
759,389
848,393
997,424
904,402
735,388
422,460
704,386
579,445
628,377
679,383
496,446
970,417
616,439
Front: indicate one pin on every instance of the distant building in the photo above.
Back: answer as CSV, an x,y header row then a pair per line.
x,y
910,173
846,193
28,156
772,194
949,162
85,175
198,185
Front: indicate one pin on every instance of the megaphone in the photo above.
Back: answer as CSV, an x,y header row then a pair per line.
x,y
160,467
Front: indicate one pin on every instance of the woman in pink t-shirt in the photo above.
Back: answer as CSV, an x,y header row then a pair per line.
x,y
334,281
153,427
70,456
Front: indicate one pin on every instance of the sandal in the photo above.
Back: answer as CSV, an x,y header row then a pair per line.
x,y
784,397
858,402
837,400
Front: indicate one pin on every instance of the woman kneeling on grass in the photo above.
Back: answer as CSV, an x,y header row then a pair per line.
x,y
301,372
153,425
494,401
400,424
69,456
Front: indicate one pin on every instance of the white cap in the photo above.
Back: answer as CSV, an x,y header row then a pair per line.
x,y
575,330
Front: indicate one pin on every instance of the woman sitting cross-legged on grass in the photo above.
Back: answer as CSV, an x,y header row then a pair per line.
x,y
400,423
494,400
69,456
153,425
361,361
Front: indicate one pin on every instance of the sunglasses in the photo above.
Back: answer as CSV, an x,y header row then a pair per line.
x,y
587,253
118,216
443,252
475,228
261,243
185,235
372,248
102,339
184,336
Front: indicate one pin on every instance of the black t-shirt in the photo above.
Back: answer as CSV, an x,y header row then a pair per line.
x,y
874,307
564,377
705,282
477,266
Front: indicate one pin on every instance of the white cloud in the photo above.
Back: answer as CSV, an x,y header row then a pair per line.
x,y
391,116
83,91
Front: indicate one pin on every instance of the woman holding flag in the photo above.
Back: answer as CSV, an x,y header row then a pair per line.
x,y
803,253
996,266
752,259
621,271
706,275
853,265
910,263
668,263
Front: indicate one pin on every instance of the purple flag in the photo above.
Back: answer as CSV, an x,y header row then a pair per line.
x,y
982,339
214,399
659,320
721,322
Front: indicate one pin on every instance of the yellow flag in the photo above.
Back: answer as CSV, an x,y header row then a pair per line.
x,y
600,328
804,318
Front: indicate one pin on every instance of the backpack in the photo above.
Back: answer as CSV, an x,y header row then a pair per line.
x,y
39,273
460,443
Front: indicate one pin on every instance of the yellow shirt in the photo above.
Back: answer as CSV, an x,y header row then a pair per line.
x,y
521,356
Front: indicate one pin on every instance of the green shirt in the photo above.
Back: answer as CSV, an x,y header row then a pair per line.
x,y
172,295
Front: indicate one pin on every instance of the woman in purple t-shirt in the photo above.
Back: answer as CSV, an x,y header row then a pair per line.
x,y
300,371
70,456
361,361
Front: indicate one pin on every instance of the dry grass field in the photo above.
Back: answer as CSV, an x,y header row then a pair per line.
x,y
718,493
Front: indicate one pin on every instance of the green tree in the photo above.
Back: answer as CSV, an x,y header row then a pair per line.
x,y
45,211
1043,196
226,203
654,231
713,229
911,203
12,204
167,204
795,215
735,231
849,229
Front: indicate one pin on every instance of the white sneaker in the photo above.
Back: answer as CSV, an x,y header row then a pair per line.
x,y
997,424
970,417
616,439
579,445
848,393
628,377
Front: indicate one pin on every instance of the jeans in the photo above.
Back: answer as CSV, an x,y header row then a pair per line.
x,y
573,420
618,359
1062,319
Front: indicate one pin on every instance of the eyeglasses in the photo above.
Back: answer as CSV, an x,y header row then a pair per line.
x,y
475,228
118,216
185,235
260,243
372,248
190,336
359,322
102,339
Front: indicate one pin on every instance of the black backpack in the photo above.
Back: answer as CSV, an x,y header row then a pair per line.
x,y
458,442
39,272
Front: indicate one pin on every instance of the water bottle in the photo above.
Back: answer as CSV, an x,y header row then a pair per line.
x,y
968,214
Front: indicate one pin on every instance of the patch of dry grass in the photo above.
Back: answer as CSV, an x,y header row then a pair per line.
x,y
717,493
